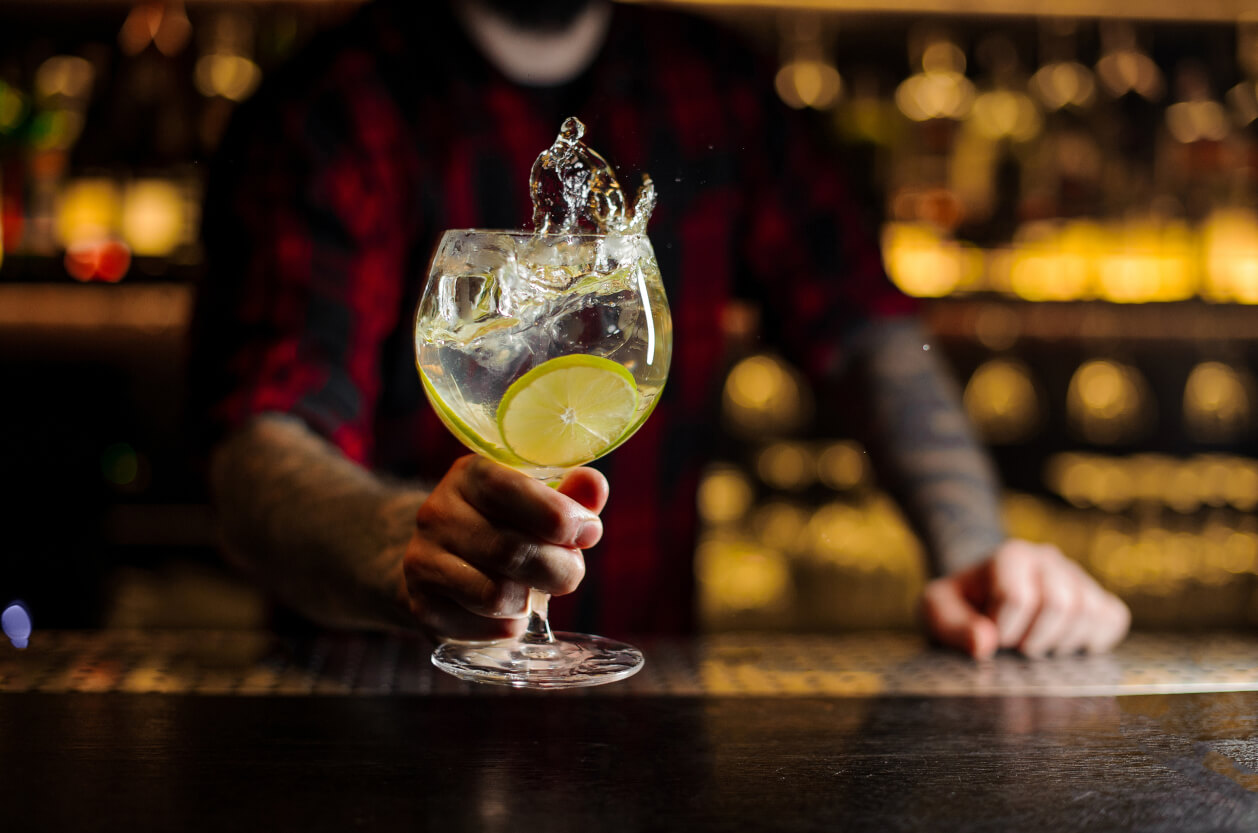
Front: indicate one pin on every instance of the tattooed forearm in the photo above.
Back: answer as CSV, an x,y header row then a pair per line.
x,y
925,448
323,533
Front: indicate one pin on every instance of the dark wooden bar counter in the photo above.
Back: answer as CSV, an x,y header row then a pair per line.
x,y
222,731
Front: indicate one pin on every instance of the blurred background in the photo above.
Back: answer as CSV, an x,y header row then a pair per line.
x,y
1073,192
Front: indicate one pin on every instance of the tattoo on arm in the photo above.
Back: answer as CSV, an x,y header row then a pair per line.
x,y
325,534
926,448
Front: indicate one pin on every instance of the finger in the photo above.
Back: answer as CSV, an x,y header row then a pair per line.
x,y
1095,613
1060,595
1112,625
1081,626
1013,592
511,499
954,622
452,525
587,487
442,575
445,619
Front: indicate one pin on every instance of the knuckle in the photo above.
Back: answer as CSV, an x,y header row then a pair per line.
x,y
518,555
569,578
1059,598
1014,596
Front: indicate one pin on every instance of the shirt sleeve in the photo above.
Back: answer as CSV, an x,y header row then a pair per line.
x,y
306,234
811,254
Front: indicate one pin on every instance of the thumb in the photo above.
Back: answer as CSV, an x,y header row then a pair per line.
x,y
952,620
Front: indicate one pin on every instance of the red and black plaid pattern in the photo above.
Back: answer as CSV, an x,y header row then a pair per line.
x,y
336,180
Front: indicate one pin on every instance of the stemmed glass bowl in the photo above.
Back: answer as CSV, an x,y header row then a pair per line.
x,y
542,352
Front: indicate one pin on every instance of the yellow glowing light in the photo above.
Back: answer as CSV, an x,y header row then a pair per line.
x,y
763,394
809,83
935,95
233,77
1243,99
842,465
778,524
1055,262
1229,240
1126,70
740,575
1106,402
724,495
1002,401
1064,84
1148,262
68,76
1217,402
785,465
12,107
924,264
1004,114
1241,553
943,56
1196,121
88,211
153,217
1242,485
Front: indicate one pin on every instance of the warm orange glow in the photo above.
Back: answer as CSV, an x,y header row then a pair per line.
x,y
153,217
233,77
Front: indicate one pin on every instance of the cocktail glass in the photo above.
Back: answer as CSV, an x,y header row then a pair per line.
x,y
542,352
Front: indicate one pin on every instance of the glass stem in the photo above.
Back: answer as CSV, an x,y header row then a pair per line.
x,y
538,630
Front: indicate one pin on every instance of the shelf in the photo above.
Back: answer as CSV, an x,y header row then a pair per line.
x,y
1216,11
1186,322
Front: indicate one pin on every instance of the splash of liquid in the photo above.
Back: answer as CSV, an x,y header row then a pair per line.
x,y
574,190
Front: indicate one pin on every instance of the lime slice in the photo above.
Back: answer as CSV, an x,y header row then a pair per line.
x,y
460,429
568,411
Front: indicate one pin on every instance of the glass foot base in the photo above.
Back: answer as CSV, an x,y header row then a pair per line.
x,y
572,660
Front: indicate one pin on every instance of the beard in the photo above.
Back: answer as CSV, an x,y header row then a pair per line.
x,y
538,15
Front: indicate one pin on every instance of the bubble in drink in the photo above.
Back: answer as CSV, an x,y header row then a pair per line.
x,y
574,189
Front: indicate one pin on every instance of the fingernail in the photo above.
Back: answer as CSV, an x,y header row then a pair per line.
x,y
590,532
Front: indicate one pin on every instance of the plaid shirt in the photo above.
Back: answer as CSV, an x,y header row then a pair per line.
x,y
336,180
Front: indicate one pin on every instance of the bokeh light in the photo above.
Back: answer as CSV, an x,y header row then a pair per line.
x,y
1218,403
1230,246
233,77
17,625
13,108
739,575
119,464
88,211
1197,121
763,394
1108,402
153,218
922,263
843,465
1064,84
1124,71
65,76
1002,401
809,82
1005,114
725,494
786,465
